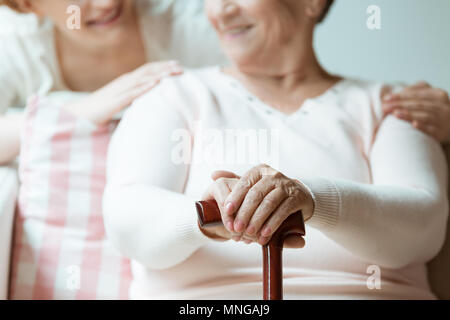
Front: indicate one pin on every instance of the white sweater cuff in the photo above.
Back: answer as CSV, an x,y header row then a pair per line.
x,y
187,230
327,203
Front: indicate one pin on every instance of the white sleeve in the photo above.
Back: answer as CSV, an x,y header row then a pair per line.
x,y
400,218
8,76
146,215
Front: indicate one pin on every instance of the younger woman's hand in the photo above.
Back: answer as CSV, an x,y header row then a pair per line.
x,y
427,108
101,105
260,202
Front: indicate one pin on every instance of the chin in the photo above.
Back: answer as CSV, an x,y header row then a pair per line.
x,y
242,57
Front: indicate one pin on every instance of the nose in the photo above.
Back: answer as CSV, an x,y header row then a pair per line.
x,y
229,8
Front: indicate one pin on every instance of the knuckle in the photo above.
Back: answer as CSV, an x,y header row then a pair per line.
x,y
255,195
246,182
296,193
268,203
278,175
264,169
284,192
262,166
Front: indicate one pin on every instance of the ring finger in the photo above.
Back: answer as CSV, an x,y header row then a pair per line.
x,y
252,201
269,204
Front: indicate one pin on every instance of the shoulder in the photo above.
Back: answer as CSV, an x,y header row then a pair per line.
x,y
363,98
191,84
371,89
19,25
23,36
358,104
186,95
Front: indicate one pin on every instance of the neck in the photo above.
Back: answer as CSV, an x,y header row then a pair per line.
x,y
300,78
286,75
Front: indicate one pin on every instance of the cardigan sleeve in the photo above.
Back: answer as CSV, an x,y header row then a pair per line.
x,y
8,79
400,218
146,215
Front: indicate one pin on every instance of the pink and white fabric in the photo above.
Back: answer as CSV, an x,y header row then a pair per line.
x,y
60,250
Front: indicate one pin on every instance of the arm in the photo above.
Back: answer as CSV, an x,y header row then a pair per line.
x,y
400,218
146,215
10,137
9,124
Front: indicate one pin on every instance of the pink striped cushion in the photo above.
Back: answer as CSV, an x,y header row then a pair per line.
x,y
60,250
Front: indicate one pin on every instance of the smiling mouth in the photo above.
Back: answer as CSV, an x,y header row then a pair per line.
x,y
107,19
237,31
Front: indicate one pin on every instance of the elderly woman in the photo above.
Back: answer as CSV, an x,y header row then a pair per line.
x,y
371,188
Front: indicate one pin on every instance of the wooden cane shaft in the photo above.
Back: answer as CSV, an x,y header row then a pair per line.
x,y
209,214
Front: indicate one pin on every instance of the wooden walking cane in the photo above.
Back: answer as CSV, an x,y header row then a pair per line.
x,y
209,214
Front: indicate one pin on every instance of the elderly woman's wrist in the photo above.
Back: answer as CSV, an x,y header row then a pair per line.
x,y
326,200
309,203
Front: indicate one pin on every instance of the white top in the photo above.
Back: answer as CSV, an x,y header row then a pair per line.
x,y
379,188
172,29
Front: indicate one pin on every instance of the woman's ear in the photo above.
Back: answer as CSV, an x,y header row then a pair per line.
x,y
315,8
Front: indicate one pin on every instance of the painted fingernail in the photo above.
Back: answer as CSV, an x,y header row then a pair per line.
x,y
229,208
250,230
239,226
265,232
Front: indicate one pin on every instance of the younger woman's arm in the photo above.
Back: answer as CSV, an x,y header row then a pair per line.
x,y
9,137
427,108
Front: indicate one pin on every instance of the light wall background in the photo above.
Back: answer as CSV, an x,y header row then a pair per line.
x,y
413,43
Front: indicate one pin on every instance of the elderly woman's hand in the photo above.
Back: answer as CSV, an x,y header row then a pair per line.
x,y
260,202
427,108
219,190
